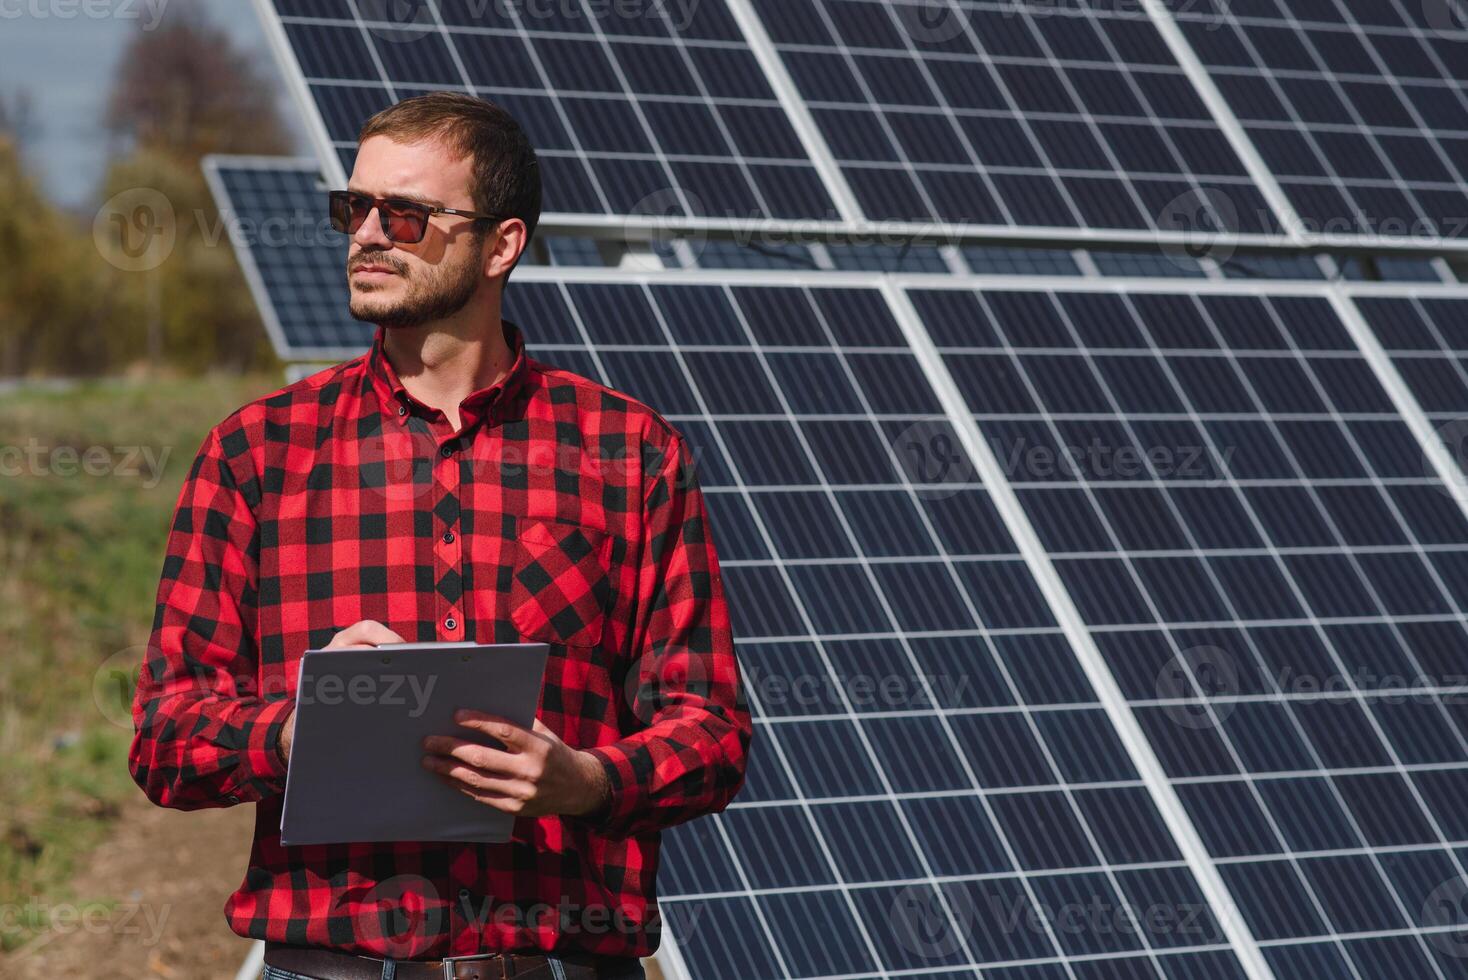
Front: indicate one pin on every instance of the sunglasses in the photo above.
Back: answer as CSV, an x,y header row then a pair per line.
x,y
403,222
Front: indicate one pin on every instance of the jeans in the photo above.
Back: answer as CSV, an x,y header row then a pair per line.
x,y
634,971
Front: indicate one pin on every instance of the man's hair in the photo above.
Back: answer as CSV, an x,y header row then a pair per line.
x,y
506,174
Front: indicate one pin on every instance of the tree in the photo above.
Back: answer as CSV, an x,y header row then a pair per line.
x,y
186,90
180,92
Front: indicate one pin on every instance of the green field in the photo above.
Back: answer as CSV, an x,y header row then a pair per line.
x,y
89,477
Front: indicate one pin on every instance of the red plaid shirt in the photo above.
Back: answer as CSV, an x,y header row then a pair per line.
x,y
560,511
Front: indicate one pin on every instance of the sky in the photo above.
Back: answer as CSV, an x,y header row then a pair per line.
x,y
65,51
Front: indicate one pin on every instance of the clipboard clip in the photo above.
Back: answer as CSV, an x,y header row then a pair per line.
x,y
506,971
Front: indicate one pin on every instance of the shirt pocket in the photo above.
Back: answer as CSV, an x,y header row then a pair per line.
x,y
562,585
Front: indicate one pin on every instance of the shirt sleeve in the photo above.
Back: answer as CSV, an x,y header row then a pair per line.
x,y
202,736
689,759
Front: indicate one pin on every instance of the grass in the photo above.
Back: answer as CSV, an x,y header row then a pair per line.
x,y
81,550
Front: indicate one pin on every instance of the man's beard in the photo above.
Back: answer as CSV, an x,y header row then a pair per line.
x,y
434,294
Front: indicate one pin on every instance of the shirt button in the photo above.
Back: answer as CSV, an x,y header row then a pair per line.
x,y
232,798
402,409
447,451
451,623
448,537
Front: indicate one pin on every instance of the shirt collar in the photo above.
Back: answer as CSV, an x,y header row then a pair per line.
x,y
500,399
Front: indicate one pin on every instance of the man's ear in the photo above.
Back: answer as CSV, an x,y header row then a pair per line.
x,y
504,246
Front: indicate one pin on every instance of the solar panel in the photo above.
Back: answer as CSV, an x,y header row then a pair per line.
x,y
1277,582
294,261
1359,109
1424,337
642,106
934,786
1055,115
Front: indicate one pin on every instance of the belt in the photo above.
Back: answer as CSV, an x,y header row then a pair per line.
x,y
329,964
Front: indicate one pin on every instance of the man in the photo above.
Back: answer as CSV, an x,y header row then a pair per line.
x,y
445,487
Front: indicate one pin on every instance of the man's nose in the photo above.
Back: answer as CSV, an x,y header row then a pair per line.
x,y
371,232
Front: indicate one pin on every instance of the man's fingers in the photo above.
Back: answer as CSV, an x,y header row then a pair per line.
x,y
480,756
367,633
514,737
470,778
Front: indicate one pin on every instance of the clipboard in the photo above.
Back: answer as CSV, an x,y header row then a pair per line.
x,y
361,716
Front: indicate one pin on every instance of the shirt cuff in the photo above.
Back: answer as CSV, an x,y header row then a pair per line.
x,y
625,791
263,762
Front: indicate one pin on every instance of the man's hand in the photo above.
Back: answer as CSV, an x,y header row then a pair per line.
x,y
367,633
535,774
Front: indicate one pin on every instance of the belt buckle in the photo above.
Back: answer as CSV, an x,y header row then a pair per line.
x,y
507,968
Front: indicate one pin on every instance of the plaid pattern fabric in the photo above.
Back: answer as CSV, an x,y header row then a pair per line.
x,y
560,511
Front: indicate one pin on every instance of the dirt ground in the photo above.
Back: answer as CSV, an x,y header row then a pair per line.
x,y
150,902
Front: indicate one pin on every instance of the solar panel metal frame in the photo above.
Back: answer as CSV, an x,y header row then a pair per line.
x,y
853,226
1341,297
215,166
1222,108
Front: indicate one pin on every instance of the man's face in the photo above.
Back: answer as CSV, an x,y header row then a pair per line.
x,y
405,285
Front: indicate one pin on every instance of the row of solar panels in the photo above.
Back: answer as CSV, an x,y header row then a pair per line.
x,y
298,264
1161,118
1090,631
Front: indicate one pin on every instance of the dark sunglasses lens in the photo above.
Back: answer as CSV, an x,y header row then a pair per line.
x,y
348,211
405,222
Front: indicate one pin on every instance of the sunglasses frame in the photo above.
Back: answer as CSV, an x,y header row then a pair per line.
x,y
379,204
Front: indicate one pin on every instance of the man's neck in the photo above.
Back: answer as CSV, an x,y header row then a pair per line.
x,y
443,362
